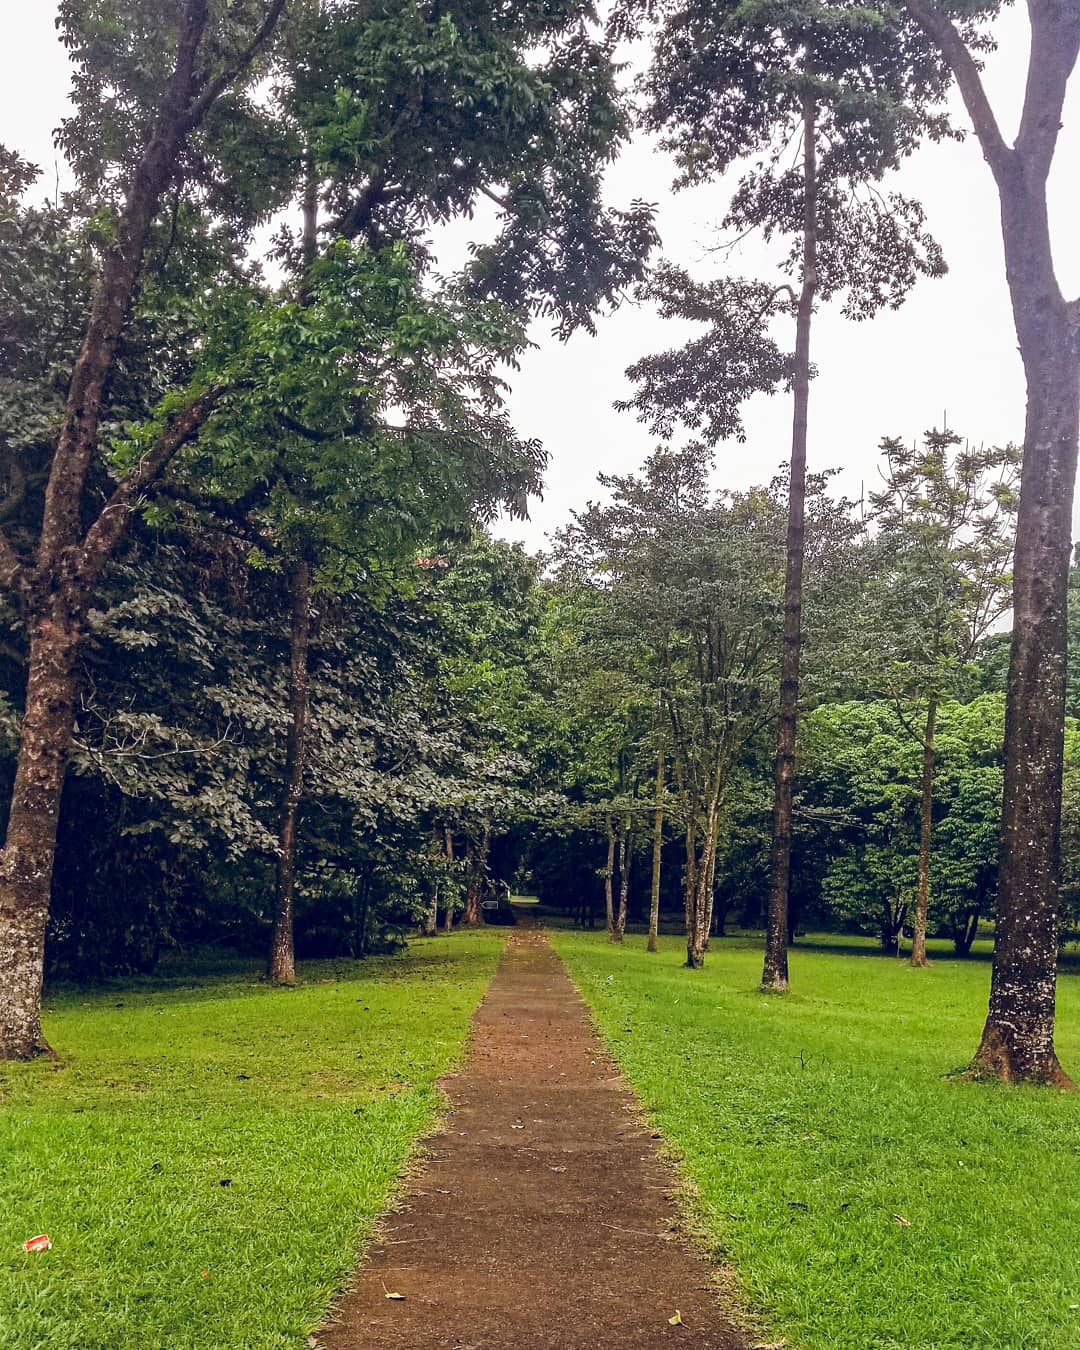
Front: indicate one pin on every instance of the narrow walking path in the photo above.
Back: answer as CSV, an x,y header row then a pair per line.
x,y
542,1220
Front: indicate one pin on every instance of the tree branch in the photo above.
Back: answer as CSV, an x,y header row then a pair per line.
x,y
108,529
215,88
952,46
234,514
78,439
13,571
1055,41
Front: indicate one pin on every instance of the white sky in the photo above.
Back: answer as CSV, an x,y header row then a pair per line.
x,y
950,349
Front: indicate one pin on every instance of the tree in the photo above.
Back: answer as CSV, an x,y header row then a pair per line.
x,y
1017,1042
229,159
945,539
208,57
605,707
687,581
731,81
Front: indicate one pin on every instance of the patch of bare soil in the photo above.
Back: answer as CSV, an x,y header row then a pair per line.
x,y
543,1218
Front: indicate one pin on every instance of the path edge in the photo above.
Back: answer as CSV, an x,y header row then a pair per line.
x,y
413,1164
734,1300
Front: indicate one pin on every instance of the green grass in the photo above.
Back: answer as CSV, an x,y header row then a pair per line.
x,y
807,1123
208,1154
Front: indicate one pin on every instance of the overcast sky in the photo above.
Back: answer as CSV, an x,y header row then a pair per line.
x,y
951,349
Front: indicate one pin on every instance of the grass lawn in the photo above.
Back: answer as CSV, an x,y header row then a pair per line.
x,y
808,1123
208,1154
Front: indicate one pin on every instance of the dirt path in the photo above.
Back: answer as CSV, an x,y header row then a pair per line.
x,y
542,1220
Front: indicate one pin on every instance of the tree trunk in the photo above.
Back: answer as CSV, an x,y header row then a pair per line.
x,y
700,917
965,932
360,929
774,975
609,899
624,882
281,968
1018,1037
282,965
657,850
471,916
26,860
53,592
926,822
448,916
710,888
431,918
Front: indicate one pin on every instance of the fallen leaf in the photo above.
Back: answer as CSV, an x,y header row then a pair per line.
x,y
675,1321
905,1223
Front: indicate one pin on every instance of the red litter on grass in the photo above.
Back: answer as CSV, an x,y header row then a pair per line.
x,y
41,1243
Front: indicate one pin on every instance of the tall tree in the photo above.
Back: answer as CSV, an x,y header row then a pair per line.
x,y
690,586
209,162
729,82
1018,1037
944,543
201,58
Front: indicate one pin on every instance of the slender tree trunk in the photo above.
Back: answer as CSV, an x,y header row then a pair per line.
x,y
710,886
624,881
657,850
774,975
609,870
361,929
700,916
281,967
431,919
448,916
26,861
926,821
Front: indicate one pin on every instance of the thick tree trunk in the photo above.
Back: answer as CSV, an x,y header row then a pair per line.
x,y
774,975
965,932
926,822
281,967
26,860
1018,1037
52,593
609,871
657,850
471,916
